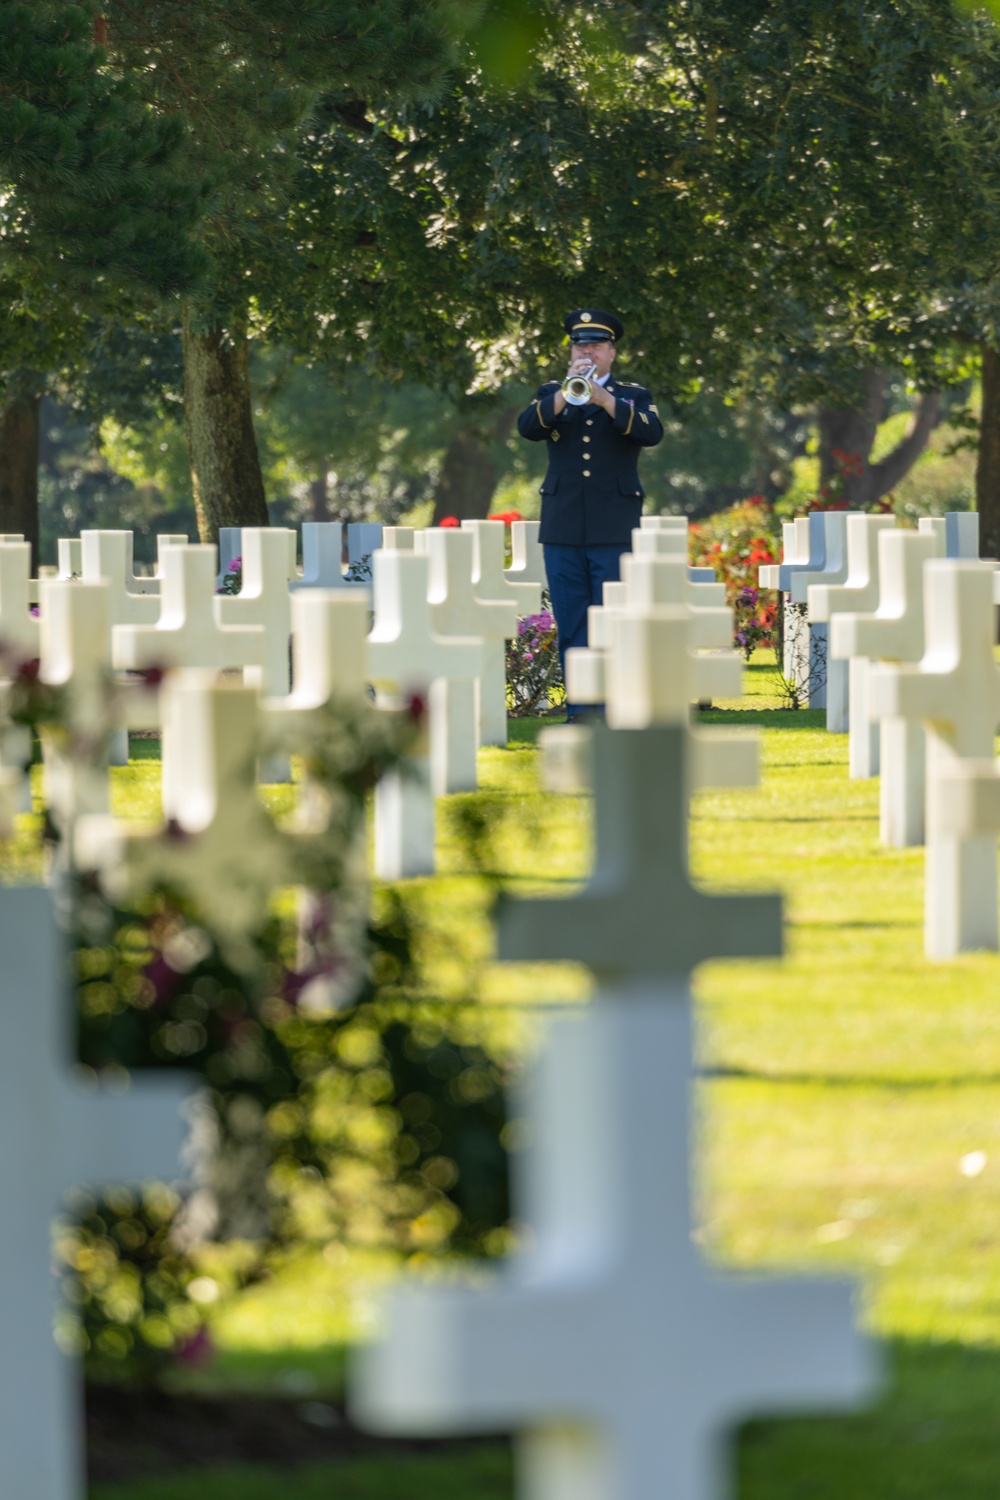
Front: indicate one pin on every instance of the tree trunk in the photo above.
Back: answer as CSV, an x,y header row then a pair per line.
x,y
218,417
846,439
19,430
470,471
988,460
318,500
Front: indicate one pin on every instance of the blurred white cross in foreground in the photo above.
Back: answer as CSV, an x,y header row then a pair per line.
x,y
56,1136
608,1344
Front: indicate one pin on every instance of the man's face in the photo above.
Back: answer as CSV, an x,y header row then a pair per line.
x,y
602,355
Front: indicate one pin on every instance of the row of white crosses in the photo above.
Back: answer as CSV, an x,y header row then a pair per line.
x,y
916,620
454,589
457,599
442,618
444,608
953,691
326,547
817,556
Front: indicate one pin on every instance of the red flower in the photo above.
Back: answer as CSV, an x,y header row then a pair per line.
x,y
449,521
507,516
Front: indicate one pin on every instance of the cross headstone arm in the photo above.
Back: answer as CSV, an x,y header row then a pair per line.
x,y
431,1377
771,1333
125,1137
640,784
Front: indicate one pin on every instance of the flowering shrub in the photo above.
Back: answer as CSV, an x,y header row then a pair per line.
x,y
754,620
736,543
233,580
534,676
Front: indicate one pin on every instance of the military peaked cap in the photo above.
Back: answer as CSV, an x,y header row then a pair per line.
x,y
589,325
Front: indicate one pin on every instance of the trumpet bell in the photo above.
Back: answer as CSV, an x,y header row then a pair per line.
x,y
576,388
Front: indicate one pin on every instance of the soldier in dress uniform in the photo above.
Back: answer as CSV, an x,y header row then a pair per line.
x,y
592,495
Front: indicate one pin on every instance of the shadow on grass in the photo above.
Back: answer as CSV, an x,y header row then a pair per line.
x,y
526,731
918,1083
143,749
931,1435
766,718
484,1473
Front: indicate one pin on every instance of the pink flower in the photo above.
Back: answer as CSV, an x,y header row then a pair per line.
x,y
197,1351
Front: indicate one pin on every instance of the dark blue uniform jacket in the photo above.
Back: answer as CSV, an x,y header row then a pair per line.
x,y
592,496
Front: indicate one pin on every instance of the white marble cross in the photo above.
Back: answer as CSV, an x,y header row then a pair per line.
x,y
621,1358
70,554
488,573
398,539
895,632
650,675
679,526
957,532
143,584
664,523
106,557
859,593
57,1136
363,538
230,546
188,632
650,581
954,690
329,651
475,709
659,541
527,556
323,552
407,656
18,626
830,568
492,583
322,556
329,672
805,646
218,845
264,600
74,650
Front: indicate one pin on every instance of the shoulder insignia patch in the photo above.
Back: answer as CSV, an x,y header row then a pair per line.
x,y
644,418
654,408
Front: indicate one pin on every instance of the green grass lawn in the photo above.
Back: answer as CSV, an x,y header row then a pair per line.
x,y
849,1118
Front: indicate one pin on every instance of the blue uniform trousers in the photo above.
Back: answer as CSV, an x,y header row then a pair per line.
x,y
576,577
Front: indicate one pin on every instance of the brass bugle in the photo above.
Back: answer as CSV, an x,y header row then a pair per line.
x,y
576,388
